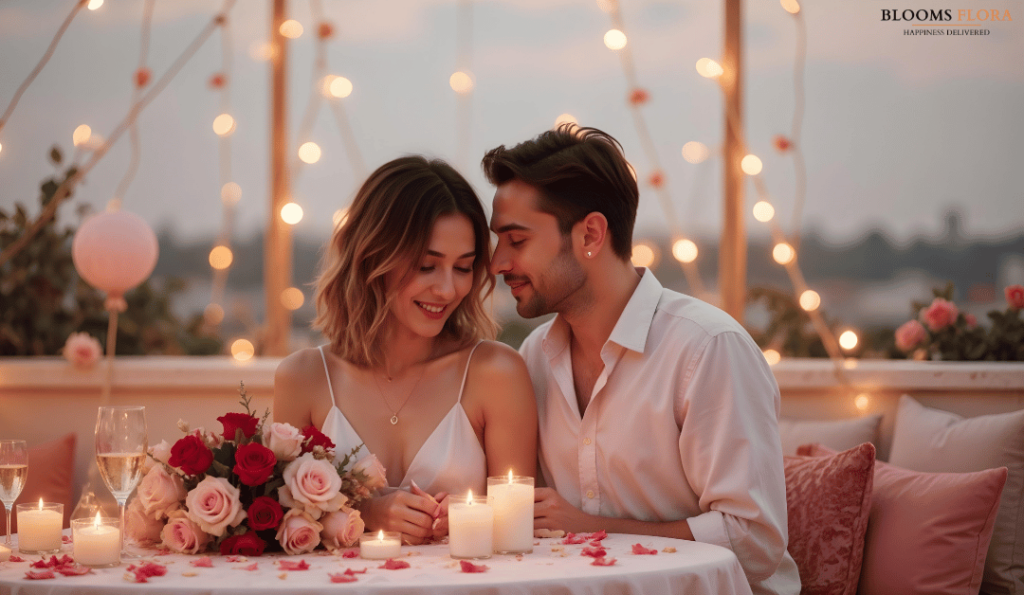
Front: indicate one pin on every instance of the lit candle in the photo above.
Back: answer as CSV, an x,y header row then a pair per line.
x,y
512,499
381,546
470,528
5,553
39,528
97,541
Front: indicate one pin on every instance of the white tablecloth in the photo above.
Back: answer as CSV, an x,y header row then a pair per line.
x,y
693,568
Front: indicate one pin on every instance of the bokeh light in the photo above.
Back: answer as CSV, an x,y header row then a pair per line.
x,y
213,314
783,253
291,29
615,39
292,298
565,119
94,4
751,165
81,135
461,82
708,68
242,350
230,193
684,250
221,257
763,211
645,254
223,124
291,213
772,356
309,152
340,216
848,340
810,300
790,6
340,87
862,401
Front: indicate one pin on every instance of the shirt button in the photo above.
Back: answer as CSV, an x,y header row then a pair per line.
x,y
586,441
590,494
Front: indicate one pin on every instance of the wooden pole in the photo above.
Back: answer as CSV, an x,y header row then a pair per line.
x,y
277,249
732,263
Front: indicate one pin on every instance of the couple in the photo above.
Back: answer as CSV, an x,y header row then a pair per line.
x,y
656,412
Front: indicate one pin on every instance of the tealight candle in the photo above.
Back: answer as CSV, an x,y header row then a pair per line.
x,y
97,541
5,553
470,528
383,545
39,527
512,499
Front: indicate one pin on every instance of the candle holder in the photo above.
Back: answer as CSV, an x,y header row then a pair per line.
x,y
512,499
97,541
39,527
470,528
381,545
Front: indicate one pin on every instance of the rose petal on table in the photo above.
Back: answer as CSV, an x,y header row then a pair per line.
x,y
162,552
144,571
290,565
237,559
468,566
603,562
342,577
65,539
251,567
393,564
573,539
594,552
669,550
204,562
73,570
14,558
642,551
38,576
353,553
598,535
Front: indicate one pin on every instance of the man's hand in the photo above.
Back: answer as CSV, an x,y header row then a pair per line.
x,y
552,511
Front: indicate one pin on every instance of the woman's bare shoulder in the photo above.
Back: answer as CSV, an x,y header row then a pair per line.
x,y
496,361
299,367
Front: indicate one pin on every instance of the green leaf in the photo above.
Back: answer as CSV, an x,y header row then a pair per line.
x,y
55,155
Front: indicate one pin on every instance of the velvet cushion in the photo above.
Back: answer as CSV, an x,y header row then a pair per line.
x,y
928,532
837,434
51,473
926,439
828,500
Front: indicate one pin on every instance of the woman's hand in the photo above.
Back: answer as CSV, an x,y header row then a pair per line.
x,y
410,514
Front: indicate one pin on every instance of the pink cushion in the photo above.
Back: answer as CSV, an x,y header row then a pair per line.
x,y
828,500
928,532
51,471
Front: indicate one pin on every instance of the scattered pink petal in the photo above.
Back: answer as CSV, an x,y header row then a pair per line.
x,y
65,539
468,566
290,565
16,559
353,553
237,559
598,536
342,577
74,570
573,539
350,571
594,552
53,562
642,551
603,562
204,562
253,566
162,552
393,564
145,571
41,575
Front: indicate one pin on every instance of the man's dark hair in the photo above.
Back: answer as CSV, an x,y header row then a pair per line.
x,y
577,171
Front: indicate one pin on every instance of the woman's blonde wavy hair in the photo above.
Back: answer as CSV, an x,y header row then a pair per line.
x,y
388,227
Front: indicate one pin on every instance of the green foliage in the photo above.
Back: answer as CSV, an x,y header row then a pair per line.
x,y
43,299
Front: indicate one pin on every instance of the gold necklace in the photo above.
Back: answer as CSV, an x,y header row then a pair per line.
x,y
395,412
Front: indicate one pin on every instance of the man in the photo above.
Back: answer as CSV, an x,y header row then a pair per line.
x,y
658,414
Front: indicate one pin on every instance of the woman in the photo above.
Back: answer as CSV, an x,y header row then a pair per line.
x,y
408,372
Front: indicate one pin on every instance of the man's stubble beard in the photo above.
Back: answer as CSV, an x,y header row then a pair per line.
x,y
567,287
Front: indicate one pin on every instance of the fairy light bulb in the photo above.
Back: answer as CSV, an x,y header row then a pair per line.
x,y
339,216
221,257
565,119
340,87
751,165
224,125
309,152
292,298
291,213
615,39
461,82
684,250
81,135
695,152
783,253
1,147
262,51
94,4
213,314
790,6
848,340
708,68
291,29
810,300
763,211
607,5
242,350
230,193
862,401
644,254
772,356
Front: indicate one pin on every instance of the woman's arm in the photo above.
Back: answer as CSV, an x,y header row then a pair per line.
x,y
293,390
509,410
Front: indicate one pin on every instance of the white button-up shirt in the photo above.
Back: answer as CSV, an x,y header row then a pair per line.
x,y
682,424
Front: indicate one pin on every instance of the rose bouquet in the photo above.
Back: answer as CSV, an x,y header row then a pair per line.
x,y
252,487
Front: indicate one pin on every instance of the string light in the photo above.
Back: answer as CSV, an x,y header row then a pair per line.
x,y
94,4
862,401
223,125
339,216
309,152
783,253
291,29
644,255
230,193
751,165
213,314
242,350
340,87
261,51
565,119
1,147
461,82
292,298
291,213
810,300
790,6
81,135
695,152
848,340
684,250
607,5
221,257
763,211
615,39
708,68
772,356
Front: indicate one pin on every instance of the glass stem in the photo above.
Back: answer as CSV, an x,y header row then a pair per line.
x,y
7,540
120,506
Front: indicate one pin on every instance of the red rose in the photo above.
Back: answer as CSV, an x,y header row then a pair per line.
x,y
190,455
314,438
254,463
246,544
1015,296
238,421
264,513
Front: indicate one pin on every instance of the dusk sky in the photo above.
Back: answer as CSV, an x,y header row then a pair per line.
x,y
898,129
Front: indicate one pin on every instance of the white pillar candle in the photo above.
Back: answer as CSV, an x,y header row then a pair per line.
x,y
470,527
512,499
97,541
383,545
5,553
39,527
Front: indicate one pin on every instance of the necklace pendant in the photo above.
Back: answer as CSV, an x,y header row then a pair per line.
x,y
394,419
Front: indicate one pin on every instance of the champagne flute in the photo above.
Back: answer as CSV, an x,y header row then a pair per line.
x,y
13,474
121,446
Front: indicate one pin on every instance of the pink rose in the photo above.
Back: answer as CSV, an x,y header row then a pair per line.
x,y
161,452
82,350
341,528
909,335
971,320
182,535
214,505
939,315
139,526
313,485
374,474
160,493
284,439
1015,296
299,533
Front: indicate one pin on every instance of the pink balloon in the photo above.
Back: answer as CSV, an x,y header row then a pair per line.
x,y
114,251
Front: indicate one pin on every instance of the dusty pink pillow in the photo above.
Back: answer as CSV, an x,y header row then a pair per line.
x,y
51,471
828,500
928,532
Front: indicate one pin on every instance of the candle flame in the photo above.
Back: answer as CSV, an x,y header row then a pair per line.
x,y
380,535
510,475
469,497
96,523
40,504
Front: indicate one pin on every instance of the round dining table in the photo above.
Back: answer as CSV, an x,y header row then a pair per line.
x,y
675,567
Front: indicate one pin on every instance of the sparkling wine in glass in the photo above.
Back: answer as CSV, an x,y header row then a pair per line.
x,y
13,474
121,445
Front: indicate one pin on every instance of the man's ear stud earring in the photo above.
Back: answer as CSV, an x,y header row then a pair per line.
x,y
589,254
